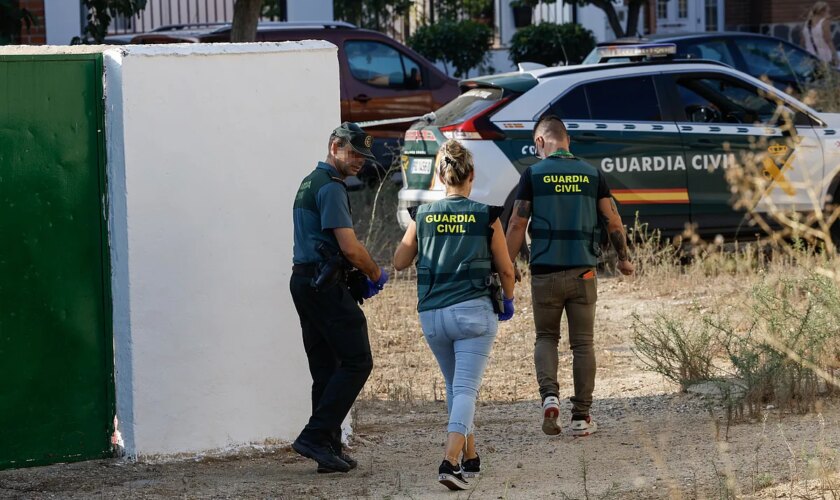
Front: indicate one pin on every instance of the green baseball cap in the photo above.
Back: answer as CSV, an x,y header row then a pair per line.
x,y
358,138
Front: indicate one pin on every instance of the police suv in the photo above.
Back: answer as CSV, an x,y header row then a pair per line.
x,y
664,132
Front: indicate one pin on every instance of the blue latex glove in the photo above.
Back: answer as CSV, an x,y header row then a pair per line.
x,y
375,287
383,278
372,289
508,312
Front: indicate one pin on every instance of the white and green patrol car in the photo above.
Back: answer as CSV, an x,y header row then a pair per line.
x,y
664,134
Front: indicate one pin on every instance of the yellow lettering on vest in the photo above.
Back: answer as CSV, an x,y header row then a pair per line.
x,y
566,179
451,229
567,188
450,218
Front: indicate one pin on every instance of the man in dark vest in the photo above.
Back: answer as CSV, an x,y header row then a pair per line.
x,y
334,327
564,197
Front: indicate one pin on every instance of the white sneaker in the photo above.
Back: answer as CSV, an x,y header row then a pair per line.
x,y
551,410
581,428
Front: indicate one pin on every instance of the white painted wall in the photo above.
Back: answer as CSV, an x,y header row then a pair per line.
x,y
309,10
62,20
207,145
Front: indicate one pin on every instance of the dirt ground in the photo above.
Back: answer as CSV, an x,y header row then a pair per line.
x,y
653,441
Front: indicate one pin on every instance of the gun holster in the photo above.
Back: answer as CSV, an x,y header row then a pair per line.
x,y
497,297
329,273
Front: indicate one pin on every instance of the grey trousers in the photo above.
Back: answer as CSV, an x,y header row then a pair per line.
x,y
551,295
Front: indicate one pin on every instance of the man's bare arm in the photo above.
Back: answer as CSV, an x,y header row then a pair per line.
x,y
517,226
355,252
615,228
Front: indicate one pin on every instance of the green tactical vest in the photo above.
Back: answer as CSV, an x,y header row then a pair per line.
x,y
453,248
306,200
565,229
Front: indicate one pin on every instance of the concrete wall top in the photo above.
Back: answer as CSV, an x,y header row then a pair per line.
x,y
52,50
175,49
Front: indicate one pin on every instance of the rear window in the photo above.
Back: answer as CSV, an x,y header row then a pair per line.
x,y
572,106
466,106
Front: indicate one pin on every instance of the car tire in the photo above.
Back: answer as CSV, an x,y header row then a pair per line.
x,y
834,232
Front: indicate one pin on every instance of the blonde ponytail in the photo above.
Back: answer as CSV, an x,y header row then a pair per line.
x,y
454,163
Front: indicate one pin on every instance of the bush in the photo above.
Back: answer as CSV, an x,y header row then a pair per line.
x,y
782,345
551,44
681,352
790,346
463,44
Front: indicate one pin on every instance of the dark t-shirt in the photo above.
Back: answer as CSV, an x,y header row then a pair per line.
x,y
312,228
525,192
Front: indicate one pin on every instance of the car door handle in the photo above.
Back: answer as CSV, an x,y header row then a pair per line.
x,y
703,144
587,137
362,98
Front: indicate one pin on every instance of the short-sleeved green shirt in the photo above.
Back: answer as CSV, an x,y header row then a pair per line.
x,y
321,206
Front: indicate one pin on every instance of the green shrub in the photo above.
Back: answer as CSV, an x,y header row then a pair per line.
x,y
551,44
681,351
790,344
462,45
780,346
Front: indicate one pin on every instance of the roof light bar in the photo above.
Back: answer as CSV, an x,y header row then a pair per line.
x,y
640,50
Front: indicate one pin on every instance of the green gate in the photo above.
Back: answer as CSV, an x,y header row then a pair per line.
x,y
56,347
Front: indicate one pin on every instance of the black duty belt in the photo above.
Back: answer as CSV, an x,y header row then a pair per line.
x,y
308,270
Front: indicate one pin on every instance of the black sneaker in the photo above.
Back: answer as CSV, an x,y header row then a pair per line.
x,y
471,467
450,476
339,451
321,453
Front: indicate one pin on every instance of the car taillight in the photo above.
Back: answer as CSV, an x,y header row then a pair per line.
x,y
477,127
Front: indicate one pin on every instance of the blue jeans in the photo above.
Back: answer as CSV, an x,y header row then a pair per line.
x,y
461,337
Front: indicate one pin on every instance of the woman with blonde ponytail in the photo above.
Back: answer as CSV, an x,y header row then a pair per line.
x,y
458,243
816,34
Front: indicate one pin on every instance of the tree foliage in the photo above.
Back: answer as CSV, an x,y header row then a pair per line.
x,y
551,44
377,15
452,10
634,7
100,13
12,17
462,45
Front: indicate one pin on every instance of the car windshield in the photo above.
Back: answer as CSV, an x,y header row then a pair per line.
x,y
466,106
776,59
593,57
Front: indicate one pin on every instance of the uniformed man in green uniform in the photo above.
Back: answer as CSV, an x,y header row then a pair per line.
x,y
334,327
564,196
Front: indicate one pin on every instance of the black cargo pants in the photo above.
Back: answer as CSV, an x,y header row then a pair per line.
x,y
335,338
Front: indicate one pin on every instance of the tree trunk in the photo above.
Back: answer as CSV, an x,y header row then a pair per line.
x,y
612,16
246,15
633,18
